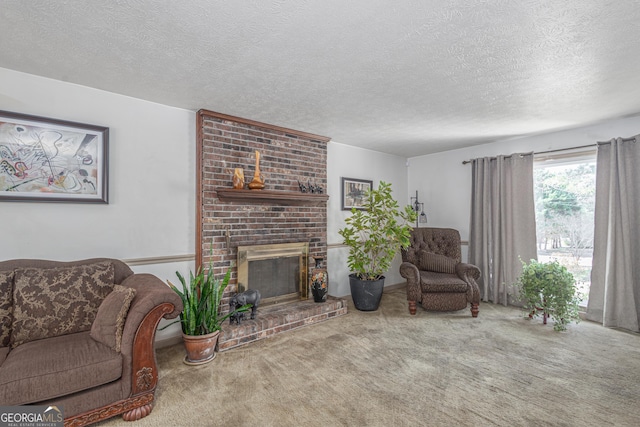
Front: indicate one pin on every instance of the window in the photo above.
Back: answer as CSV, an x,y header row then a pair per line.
x,y
564,189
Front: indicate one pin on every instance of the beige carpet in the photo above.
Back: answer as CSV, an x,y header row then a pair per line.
x,y
386,368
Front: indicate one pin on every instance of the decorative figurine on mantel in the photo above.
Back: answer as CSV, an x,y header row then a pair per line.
x,y
310,188
257,183
238,178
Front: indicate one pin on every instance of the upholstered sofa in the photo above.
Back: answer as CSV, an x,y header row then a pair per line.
x,y
80,336
436,277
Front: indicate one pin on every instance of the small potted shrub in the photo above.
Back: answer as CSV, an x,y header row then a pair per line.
x,y
549,288
374,236
200,319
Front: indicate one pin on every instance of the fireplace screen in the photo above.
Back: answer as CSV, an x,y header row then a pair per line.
x,y
278,271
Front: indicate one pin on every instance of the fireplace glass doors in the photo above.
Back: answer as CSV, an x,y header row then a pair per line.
x,y
278,271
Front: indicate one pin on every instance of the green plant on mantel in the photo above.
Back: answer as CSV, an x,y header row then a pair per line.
x,y
375,234
550,288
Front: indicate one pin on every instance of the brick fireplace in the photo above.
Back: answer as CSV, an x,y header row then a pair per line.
x,y
278,214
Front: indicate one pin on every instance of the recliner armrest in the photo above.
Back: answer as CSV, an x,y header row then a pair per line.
x,y
467,270
470,273
410,272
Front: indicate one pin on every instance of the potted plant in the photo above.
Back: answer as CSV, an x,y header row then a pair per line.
x,y
550,288
374,236
200,318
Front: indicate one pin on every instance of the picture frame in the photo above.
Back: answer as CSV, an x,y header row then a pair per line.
x,y
51,160
353,191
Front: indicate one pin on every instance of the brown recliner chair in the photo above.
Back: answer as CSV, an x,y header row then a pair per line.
x,y
436,277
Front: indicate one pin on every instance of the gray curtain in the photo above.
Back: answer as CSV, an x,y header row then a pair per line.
x,y
503,226
614,296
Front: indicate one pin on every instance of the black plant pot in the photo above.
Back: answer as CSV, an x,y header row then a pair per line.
x,y
366,294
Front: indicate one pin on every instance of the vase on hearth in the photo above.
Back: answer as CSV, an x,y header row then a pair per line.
x,y
319,281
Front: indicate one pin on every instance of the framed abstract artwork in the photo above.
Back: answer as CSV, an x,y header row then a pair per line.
x,y
353,192
49,160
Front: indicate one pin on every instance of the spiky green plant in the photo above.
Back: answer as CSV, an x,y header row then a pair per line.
x,y
376,233
201,299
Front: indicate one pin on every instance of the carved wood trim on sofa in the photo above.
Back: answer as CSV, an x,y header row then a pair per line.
x,y
144,376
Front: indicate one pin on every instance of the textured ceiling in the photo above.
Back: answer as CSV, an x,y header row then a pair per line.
x,y
403,77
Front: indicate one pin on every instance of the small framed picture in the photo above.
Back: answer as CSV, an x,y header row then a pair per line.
x,y
353,193
50,160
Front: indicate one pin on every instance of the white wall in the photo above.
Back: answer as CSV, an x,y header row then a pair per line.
x,y
151,210
444,183
352,162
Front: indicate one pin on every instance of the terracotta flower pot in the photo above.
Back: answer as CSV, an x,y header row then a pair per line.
x,y
200,348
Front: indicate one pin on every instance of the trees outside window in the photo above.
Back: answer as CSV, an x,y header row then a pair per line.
x,y
565,202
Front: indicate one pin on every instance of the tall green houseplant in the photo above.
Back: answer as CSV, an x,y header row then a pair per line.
x,y
550,288
374,236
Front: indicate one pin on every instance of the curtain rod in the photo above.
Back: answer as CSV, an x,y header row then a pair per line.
x,y
464,162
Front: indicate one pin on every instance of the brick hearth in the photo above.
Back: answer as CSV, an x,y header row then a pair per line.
x,y
279,318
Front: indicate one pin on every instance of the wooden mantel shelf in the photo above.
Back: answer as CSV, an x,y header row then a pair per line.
x,y
267,196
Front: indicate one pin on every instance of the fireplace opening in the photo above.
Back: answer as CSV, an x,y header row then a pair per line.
x,y
278,271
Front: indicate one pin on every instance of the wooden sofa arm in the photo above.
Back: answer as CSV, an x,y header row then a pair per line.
x,y
153,301
143,367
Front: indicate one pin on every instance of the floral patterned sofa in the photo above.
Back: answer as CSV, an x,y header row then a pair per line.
x,y
80,336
